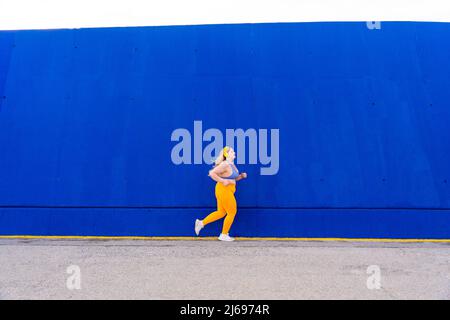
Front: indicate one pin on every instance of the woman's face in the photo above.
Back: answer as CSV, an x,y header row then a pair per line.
x,y
231,154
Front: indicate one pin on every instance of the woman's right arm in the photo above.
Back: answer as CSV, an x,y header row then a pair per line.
x,y
214,174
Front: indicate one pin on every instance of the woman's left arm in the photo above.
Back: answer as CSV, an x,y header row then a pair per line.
x,y
241,176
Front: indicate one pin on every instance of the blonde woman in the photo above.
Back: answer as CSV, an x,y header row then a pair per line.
x,y
225,174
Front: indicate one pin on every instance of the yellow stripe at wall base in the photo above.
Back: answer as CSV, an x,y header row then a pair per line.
x,y
215,238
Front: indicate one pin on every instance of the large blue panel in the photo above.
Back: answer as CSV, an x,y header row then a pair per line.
x,y
309,223
363,115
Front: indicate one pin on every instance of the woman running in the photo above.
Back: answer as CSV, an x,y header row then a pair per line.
x,y
225,174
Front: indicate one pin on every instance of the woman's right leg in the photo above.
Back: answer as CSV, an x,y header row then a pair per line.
x,y
230,206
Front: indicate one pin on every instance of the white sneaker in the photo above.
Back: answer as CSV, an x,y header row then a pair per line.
x,y
198,226
225,237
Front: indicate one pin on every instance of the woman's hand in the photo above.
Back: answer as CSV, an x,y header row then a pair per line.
x,y
243,175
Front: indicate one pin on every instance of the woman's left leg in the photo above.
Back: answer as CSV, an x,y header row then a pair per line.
x,y
216,215
213,216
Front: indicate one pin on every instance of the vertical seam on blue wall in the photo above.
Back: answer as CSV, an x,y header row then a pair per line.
x,y
6,47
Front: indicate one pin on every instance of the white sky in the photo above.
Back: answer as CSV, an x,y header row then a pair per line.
x,y
49,14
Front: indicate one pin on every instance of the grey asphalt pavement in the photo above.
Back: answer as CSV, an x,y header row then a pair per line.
x,y
150,269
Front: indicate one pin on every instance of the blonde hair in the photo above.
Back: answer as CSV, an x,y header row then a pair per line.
x,y
223,154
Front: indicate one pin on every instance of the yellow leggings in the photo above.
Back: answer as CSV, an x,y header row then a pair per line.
x,y
226,206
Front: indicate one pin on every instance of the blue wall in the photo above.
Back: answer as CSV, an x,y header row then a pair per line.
x,y
86,117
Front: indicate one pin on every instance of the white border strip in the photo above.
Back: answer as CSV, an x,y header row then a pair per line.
x,y
55,14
